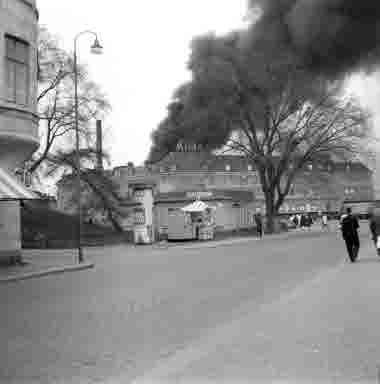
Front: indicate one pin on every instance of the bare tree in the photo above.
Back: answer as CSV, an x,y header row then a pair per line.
x,y
102,190
286,116
56,100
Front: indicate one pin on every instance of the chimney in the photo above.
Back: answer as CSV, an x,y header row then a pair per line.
x,y
99,146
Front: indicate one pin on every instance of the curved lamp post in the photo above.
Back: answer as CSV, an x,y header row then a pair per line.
x,y
96,49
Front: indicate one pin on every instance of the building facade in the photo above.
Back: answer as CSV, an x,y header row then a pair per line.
x,y
18,112
231,185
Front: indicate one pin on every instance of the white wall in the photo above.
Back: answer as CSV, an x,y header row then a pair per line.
x,y
10,229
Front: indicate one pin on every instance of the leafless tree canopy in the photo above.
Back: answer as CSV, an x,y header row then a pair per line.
x,y
56,100
287,116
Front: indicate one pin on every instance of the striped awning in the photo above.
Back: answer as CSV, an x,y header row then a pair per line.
x,y
197,206
12,189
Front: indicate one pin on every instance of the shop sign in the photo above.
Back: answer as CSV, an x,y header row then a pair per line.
x,y
199,195
189,147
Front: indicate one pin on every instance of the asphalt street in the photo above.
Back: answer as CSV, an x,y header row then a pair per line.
x,y
140,306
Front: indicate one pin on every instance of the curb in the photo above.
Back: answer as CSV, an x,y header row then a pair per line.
x,y
46,272
242,240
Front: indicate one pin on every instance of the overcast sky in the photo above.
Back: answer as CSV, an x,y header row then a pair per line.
x,y
146,47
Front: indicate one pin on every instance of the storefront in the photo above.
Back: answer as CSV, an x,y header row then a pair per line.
x,y
231,210
194,221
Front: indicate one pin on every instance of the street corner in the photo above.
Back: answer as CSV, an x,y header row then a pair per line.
x,y
33,273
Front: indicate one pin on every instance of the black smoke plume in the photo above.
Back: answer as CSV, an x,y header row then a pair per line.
x,y
331,37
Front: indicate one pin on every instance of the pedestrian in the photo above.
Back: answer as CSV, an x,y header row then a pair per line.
x,y
324,221
303,221
259,225
309,221
299,220
374,226
295,221
349,226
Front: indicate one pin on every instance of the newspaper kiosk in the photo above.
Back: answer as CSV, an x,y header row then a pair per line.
x,y
191,222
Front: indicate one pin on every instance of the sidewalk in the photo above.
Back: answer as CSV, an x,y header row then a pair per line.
x,y
325,331
316,229
37,263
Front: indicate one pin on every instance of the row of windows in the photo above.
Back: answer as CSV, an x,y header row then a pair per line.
x,y
211,179
347,191
227,168
173,168
17,70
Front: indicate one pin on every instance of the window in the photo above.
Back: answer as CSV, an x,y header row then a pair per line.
x,y
16,70
250,168
228,167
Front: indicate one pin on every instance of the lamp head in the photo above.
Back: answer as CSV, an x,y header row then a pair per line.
x,y
96,47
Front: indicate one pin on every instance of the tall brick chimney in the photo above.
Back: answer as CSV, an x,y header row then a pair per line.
x,y
99,146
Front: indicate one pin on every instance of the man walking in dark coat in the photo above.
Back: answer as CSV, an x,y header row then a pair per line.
x,y
259,225
349,226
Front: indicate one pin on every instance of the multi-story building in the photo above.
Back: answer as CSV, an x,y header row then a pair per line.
x,y
18,113
231,185
234,185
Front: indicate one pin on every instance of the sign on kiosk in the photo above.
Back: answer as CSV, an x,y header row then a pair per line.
x,y
199,195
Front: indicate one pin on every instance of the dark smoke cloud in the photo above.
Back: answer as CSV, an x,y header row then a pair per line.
x,y
332,37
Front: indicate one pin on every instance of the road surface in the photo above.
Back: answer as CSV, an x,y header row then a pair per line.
x,y
138,307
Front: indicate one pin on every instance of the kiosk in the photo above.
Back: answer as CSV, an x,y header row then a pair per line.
x,y
192,222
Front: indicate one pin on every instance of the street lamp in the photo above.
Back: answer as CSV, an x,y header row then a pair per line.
x,y
96,49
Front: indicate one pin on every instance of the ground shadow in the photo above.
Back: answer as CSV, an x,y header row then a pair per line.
x,y
368,260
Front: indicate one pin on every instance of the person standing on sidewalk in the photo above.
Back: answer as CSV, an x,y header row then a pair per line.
x,y
349,226
259,225
374,226
325,221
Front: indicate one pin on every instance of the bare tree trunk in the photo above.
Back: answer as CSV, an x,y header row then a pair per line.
x,y
107,205
37,163
41,159
270,211
116,225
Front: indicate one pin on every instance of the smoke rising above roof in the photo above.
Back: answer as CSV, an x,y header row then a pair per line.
x,y
330,37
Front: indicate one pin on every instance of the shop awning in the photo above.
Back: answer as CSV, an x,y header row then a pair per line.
x,y
197,206
12,189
